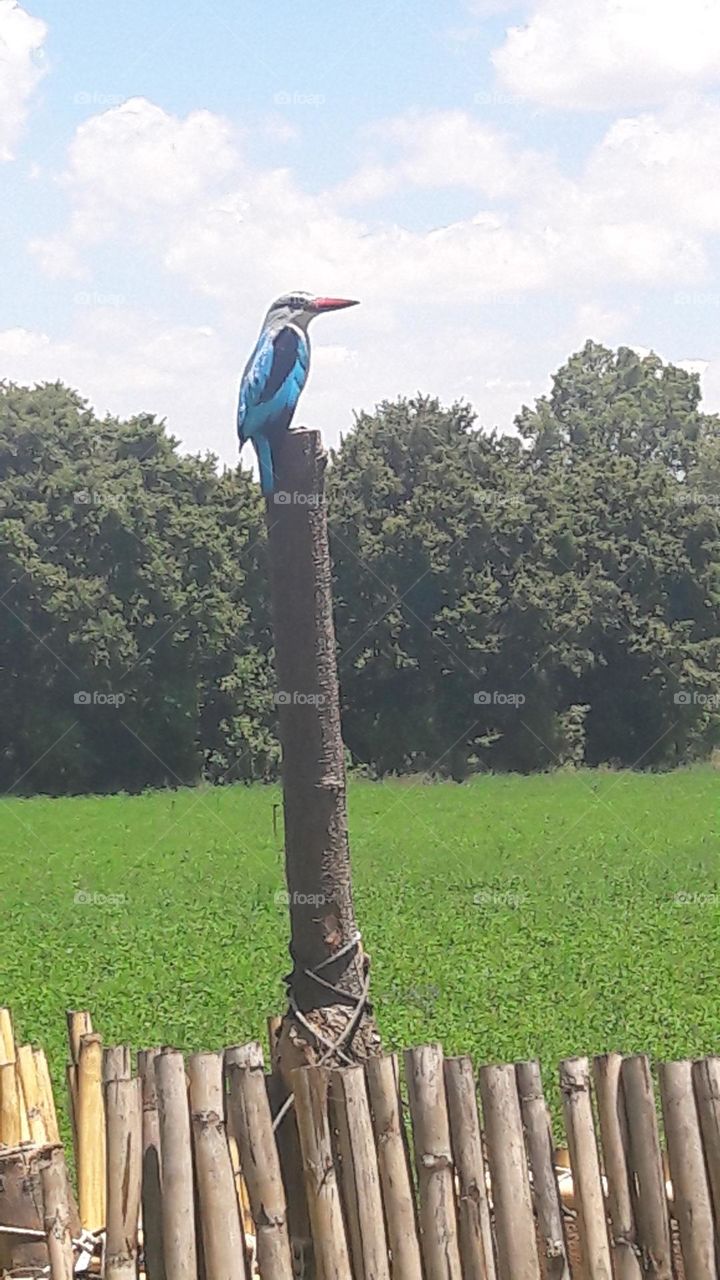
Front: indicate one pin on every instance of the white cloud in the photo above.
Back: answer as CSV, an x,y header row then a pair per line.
x,y
21,69
605,54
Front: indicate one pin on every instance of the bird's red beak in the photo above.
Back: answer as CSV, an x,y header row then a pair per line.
x,y
332,304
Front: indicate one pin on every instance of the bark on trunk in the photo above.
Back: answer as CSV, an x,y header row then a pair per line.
x,y
322,916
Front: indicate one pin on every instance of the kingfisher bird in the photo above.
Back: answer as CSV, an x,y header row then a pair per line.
x,y
276,373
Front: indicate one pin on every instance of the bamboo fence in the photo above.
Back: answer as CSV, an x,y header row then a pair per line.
x,y
437,1172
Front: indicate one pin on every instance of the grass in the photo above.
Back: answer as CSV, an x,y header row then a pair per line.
x,y
509,917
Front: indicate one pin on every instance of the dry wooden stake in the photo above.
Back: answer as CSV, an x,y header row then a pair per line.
x,y
9,1105
585,1164
310,1086
123,1109
179,1246
249,1109
359,1176
691,1193
645,1169
433,1160
394,1169
46,1097
31,1094
90,1123
540,1152
476,1245
21,1206
57,1215
117,1063
517,1257
223,1243
706,1080
607,1069
151,1198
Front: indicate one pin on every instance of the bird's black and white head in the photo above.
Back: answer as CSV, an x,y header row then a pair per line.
x,y
300,308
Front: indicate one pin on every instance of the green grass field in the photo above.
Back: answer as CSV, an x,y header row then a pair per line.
x,y
508,917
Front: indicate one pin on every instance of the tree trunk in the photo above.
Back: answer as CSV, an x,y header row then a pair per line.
x,y
317,854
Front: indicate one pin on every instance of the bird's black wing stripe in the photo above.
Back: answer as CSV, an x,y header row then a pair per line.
x,y
285,350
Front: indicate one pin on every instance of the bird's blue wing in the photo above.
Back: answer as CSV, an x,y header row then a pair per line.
x,y
278,356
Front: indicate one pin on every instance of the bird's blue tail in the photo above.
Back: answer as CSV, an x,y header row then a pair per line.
x,y
265,462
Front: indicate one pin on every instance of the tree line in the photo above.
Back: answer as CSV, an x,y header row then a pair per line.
x,y
502,602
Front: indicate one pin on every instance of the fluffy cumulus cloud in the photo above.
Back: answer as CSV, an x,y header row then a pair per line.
x,y
21,68
609,54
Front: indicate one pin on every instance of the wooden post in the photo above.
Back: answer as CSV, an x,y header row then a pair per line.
x,y
585,1164
706,1079
117,1063
57,1215
222,1240
31,1094
359,1176
393,1165
433,1161
123,1110
512,1206
9,1105
645,1169
476,1244
151,1196
691,1194
90,1122
540,1152
310,1086
322,917
46,1097
179,1245
614,1133
249,1111
21,1206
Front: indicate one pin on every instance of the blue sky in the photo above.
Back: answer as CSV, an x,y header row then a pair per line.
x,y
495,181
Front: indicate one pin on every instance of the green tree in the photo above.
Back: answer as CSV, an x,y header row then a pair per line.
x,y
122,577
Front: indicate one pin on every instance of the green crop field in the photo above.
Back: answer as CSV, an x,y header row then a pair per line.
x,y
508,917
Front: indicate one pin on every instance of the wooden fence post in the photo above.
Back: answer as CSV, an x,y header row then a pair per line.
x,y
540,1152
393,1165
359,1175
249,1110
706,1079
310,1086
585,1164
151,1168
223,1241
123,1111
645,1169
614,1134
433,1160
691,1194
512,1206
90,1124
57,1214
179,1243
475,1230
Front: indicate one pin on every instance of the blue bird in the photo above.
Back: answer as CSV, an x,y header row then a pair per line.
x,y
276,373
